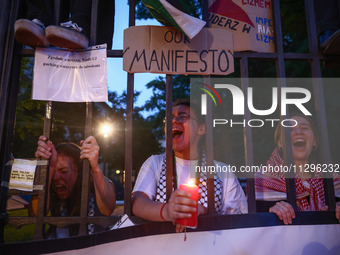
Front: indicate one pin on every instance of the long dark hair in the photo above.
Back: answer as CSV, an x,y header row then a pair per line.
x,y
72,203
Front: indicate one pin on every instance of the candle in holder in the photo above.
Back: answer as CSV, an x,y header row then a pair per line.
x,y
193,190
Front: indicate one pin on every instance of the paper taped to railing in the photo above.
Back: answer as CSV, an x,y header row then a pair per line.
x,y
70,76
123,222
166,50
22,174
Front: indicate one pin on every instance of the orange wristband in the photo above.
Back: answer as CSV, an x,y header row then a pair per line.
x,y
160,213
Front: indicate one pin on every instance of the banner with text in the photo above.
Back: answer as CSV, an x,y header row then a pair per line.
x,y
166,50
250,21
70,76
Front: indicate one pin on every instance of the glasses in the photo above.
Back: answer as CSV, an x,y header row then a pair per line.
x,y
181,118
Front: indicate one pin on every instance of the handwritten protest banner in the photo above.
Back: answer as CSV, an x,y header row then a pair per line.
x,y
250,21
70,76
158,49
22,174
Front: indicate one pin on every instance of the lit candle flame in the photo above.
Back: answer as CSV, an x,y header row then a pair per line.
x,y
191,182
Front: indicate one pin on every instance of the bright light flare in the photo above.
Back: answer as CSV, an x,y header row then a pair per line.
x,y
106,130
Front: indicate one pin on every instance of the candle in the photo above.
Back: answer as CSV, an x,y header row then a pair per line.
x,y
193,190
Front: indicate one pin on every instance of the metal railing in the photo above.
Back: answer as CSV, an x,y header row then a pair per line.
x,y
10,65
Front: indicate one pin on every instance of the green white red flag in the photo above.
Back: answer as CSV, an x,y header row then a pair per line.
x,y
168,15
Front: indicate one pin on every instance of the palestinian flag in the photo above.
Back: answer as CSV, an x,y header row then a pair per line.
x,y
170,16
228,8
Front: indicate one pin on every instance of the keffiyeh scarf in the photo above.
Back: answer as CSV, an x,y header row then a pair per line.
x,y
201,182
275,181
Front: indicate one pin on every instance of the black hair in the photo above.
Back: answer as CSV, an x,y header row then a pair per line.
x,y
193,107
199,118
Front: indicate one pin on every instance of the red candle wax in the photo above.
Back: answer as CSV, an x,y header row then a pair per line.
x,y
192,221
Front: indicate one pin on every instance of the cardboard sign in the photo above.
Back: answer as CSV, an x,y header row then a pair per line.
x,y
158,49
70,76
250,21
22,174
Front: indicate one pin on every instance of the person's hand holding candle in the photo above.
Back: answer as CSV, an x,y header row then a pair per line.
x,y
193,190
179,206
183,207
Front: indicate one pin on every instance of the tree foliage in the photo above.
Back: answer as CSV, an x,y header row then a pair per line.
x,y
144,142
29,114
156,104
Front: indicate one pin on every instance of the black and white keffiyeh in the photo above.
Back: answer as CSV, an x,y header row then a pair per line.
x,y
202,182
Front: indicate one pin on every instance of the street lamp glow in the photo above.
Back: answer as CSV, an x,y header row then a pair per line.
x,y
106,130
117,171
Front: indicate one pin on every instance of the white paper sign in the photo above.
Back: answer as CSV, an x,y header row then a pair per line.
x,y
22,174
70,76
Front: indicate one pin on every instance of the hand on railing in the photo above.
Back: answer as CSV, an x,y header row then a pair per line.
x,y
46,150
90,150
284,211
337,211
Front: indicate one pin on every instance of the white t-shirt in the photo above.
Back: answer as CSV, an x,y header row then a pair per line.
x,y
234,200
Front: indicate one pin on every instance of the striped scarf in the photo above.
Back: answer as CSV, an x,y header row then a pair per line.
x,y
91,212
276,181
202,187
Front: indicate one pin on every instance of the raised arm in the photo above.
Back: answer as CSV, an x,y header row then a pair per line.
x,y
104,188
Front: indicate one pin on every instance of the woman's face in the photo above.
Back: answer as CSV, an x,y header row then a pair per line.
x,y
185,131
64,177
302,140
